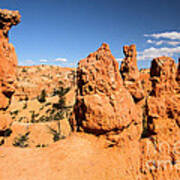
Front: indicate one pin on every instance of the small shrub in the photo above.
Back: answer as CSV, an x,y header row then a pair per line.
x,y
24,70
41,145
21,141
20,119
61,91
48,110
56,133
14,112
48,104
42,97
6,133
59,115
25,106
2,142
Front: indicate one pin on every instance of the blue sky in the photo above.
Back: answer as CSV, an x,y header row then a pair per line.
x,y
62,32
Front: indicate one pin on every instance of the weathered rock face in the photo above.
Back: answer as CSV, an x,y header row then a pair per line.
x,y
178,73
145,81
103,104
129,69
160,157
8,59
130,73
163,75
163,101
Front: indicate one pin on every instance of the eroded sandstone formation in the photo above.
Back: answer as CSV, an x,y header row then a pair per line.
x,y
160,148
163,101
130,73
8,59
103,103
178,73
104,108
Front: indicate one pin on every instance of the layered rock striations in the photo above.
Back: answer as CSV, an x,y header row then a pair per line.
x,y
8,58
130,73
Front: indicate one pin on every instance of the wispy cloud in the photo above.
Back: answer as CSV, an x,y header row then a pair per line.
x,y
150,53
158,43
168,35
119,59
174,43
60,60
43,60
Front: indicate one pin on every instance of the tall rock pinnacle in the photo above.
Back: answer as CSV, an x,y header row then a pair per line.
x,y
8,58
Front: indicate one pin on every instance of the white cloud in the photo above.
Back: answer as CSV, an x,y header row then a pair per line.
x,y
150,53
43,60
150,41
168,35
119,59
28,62
60,60
158,43
174,43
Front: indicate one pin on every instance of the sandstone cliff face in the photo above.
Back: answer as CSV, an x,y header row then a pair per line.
x,y
104,107
8,59
178,73
145,81
164,100
130,73
103,104
160,149
163,76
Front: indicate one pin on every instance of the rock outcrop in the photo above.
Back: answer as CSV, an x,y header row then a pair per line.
x,y
160,151
178,73
163,103
103,103
8,59
130,73
163,76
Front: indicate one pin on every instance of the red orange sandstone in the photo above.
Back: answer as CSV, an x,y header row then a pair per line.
x,y
130,73
103,104
8,59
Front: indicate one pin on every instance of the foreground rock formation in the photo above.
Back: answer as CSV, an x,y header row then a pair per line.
x,y
103,104
130,73
8,59
163,101
160,148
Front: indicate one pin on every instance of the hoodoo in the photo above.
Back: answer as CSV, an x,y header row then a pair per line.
x,y
130,73
8,58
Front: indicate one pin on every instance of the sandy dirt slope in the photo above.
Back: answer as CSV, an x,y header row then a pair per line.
x,y
77,157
